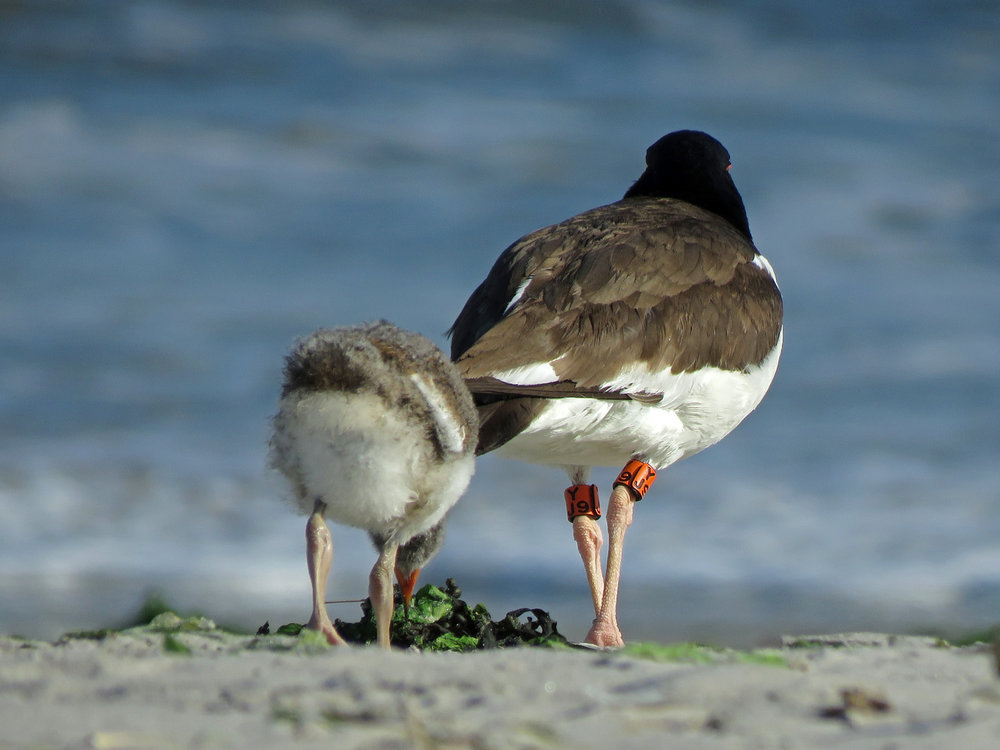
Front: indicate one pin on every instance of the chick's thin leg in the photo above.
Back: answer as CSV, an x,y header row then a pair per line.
x,y
380,592
319,557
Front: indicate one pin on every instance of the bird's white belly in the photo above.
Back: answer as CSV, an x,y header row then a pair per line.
x,y
374,469
697,410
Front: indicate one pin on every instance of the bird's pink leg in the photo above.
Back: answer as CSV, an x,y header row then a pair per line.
x,y
319,557
604,632
381,594
589,540
583,508
632,483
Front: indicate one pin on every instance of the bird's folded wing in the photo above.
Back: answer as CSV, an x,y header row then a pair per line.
x,y
487,386
661,284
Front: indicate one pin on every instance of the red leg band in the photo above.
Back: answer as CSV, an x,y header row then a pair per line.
x,y
638,477
581,500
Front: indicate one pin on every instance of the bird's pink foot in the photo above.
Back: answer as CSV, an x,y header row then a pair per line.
x,y
604,634
323,625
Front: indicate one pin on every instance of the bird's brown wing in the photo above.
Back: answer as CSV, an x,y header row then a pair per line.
x,y
654,281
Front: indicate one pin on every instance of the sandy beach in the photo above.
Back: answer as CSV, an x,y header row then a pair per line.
x,y
186,684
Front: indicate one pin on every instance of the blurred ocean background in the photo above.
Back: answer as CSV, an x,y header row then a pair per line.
x,y
185,187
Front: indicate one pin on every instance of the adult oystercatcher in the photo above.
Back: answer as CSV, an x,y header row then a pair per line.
x,y
375,429
636,333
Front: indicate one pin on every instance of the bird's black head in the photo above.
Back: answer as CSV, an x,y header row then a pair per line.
x,y
693,167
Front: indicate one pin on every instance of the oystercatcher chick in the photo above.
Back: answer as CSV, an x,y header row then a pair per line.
x,y
375,429
636,333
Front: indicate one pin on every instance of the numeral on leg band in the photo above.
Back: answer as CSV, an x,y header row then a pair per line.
x,y
581,500
638,476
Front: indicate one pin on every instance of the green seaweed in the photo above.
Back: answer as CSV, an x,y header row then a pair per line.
x,y
283,713
694,653
430,605
174,645
973,638
155,605
698,653
767,656
169,622
311,642
166,622
440,620
99,634
806,643
451,642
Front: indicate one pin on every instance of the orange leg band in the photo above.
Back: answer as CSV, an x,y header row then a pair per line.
x,y
581,500
638,476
